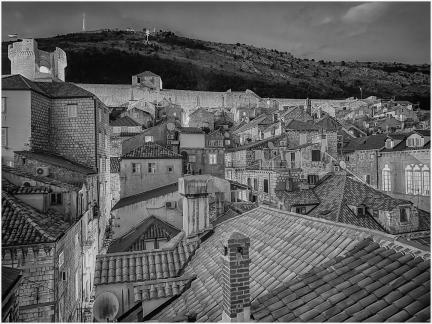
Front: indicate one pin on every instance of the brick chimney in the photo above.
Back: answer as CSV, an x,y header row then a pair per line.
x,y
235,278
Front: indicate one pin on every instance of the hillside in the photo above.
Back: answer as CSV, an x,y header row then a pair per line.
x,y
183,63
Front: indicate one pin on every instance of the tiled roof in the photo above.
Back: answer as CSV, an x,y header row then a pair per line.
x,y
18,82
145,265
283,246
300,125
161,288
22,224
328,123
191,130
373,142
299,197
57,161
147,73
338,191
46,180
12,189
124,121
49,89
369,283
258,144
129,134
64,90
151,228
296,113
243,206
164,190
262,119
10,279
151,151
402,146
114,164
201,109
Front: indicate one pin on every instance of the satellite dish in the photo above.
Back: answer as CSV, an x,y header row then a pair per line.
x,y
105,307
342,164
270,145
170,126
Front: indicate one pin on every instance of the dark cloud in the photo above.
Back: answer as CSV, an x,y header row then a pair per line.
x,y
369,31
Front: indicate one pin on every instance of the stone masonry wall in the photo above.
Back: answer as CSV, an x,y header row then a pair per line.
x,y
363,163
69,291
36,291
74,137
40,122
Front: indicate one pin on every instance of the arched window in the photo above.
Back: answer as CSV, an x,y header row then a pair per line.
x,y
426,181
386,182
417,178
409,179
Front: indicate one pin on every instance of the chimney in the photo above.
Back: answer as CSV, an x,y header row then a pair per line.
x,y
195,191
235,278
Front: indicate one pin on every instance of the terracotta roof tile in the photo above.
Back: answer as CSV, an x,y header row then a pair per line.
x,y
22,224
295,233
57,161
157,264
151,151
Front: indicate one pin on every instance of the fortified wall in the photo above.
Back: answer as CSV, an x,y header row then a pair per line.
x,y
35,64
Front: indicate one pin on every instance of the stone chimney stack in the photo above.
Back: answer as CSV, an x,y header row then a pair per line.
x,y
235,278
195,191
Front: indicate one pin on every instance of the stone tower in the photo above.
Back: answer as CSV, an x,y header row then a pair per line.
x,y
34,64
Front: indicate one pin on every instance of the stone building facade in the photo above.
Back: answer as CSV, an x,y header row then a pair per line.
x,y
404,170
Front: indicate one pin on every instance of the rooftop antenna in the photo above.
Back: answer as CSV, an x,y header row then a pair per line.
x,y
147,32
83,23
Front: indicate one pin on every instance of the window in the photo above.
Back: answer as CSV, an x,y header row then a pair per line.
x,y
256,184
300,210
292,156
63,275
116,129
409,180
227,142
266,189
4,137
404,212
316,155
170,169
132,129
77,285
417,180
361,211
367,178
107,165
386,180
100,115
426,181
313,179
212,158
136,168
389,143
3,105
56,199
148,139
60,259
192,158
72,110
156,244
347,158
152,168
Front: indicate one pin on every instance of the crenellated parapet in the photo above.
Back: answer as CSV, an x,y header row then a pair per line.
x,y
37,65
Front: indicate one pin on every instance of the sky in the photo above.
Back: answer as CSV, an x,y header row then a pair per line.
x,y
363,31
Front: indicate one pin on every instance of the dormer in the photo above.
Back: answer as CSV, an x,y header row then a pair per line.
x,y
389,143
415,140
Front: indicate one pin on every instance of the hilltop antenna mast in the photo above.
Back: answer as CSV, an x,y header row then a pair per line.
x,y
83,23
147,32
